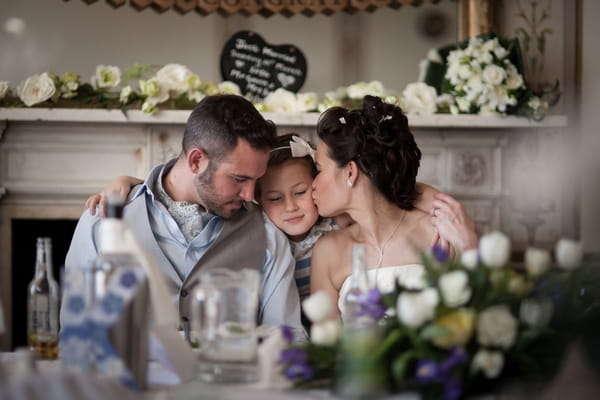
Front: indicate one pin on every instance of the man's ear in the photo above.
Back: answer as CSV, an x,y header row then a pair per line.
x,y
197,160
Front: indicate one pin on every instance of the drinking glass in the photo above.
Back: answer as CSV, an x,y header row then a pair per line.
x,y
224,310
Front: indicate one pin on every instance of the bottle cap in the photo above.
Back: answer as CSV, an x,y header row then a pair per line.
x,y
114,206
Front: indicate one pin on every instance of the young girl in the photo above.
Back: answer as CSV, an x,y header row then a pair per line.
x,y
285,194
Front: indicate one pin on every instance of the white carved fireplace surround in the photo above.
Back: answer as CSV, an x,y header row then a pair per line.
x,y
51,160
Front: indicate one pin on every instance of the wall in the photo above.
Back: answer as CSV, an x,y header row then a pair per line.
x,y
590,123
73,36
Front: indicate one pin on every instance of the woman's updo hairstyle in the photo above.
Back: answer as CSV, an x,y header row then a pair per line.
x,y
378,139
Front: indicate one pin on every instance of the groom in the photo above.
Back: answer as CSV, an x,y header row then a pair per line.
x,y
193,213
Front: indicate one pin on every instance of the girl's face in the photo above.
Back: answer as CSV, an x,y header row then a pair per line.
x,y
329,186
286,197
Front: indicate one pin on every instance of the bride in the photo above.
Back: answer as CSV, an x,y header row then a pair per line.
x,y
367,163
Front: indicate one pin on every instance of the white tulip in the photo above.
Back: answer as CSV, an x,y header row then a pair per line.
x,y
496,327
36,89
415,308
489,362
455,289
3,89
494,249
537,261
470,259
325,333
536,312
318,307
569,254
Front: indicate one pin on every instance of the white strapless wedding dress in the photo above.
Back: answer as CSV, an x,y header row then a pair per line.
x,y
409,275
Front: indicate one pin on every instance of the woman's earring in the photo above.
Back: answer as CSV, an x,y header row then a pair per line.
x,y
349,183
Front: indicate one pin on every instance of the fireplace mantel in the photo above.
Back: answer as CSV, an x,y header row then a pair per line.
x,y
280,118
51,160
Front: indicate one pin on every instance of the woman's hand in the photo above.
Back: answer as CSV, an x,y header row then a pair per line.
x,y
121,185
453,223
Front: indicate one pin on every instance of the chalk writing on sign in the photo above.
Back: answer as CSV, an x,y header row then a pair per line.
x,y
260,68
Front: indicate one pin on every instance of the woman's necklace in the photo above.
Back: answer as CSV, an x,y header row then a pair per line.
x,y
381,248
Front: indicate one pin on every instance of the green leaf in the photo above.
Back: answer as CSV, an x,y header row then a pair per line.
x,y
432,330
399,365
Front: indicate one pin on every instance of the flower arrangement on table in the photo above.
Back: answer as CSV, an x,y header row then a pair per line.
x,y
477,323
478,76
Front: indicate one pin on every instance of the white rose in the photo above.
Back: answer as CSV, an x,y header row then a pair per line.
x,y
318,307
229,87
465,72
454,287
464,105
419,98
175,77
569,254
493,74
36,89
307,101
415,308
3,89
281,100
536,312
107,76
489,362
470,259
500,52
514,80
494,249
537,261
496,327
325,333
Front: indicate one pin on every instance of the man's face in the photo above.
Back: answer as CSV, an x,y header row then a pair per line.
x,y
222,188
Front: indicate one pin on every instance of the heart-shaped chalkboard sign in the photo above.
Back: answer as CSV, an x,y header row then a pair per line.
x,y
260,68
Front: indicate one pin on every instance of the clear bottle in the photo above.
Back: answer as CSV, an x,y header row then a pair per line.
x,y
359,287
112,251
42,305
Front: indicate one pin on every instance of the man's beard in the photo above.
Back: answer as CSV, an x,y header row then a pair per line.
x,y
206,191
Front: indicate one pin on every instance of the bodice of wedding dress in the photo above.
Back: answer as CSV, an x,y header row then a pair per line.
x,y
409,275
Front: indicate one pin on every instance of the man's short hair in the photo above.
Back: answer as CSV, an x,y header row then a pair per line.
x,y
218,121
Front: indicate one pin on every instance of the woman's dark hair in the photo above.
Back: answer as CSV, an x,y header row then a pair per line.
x,y
218,121
378,139
282,152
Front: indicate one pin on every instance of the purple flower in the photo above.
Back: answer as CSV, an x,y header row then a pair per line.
x,y
439,253
111,303
298,370
128,279
76,304
289,356
452,389
458,356
427,371
370,304
287,333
